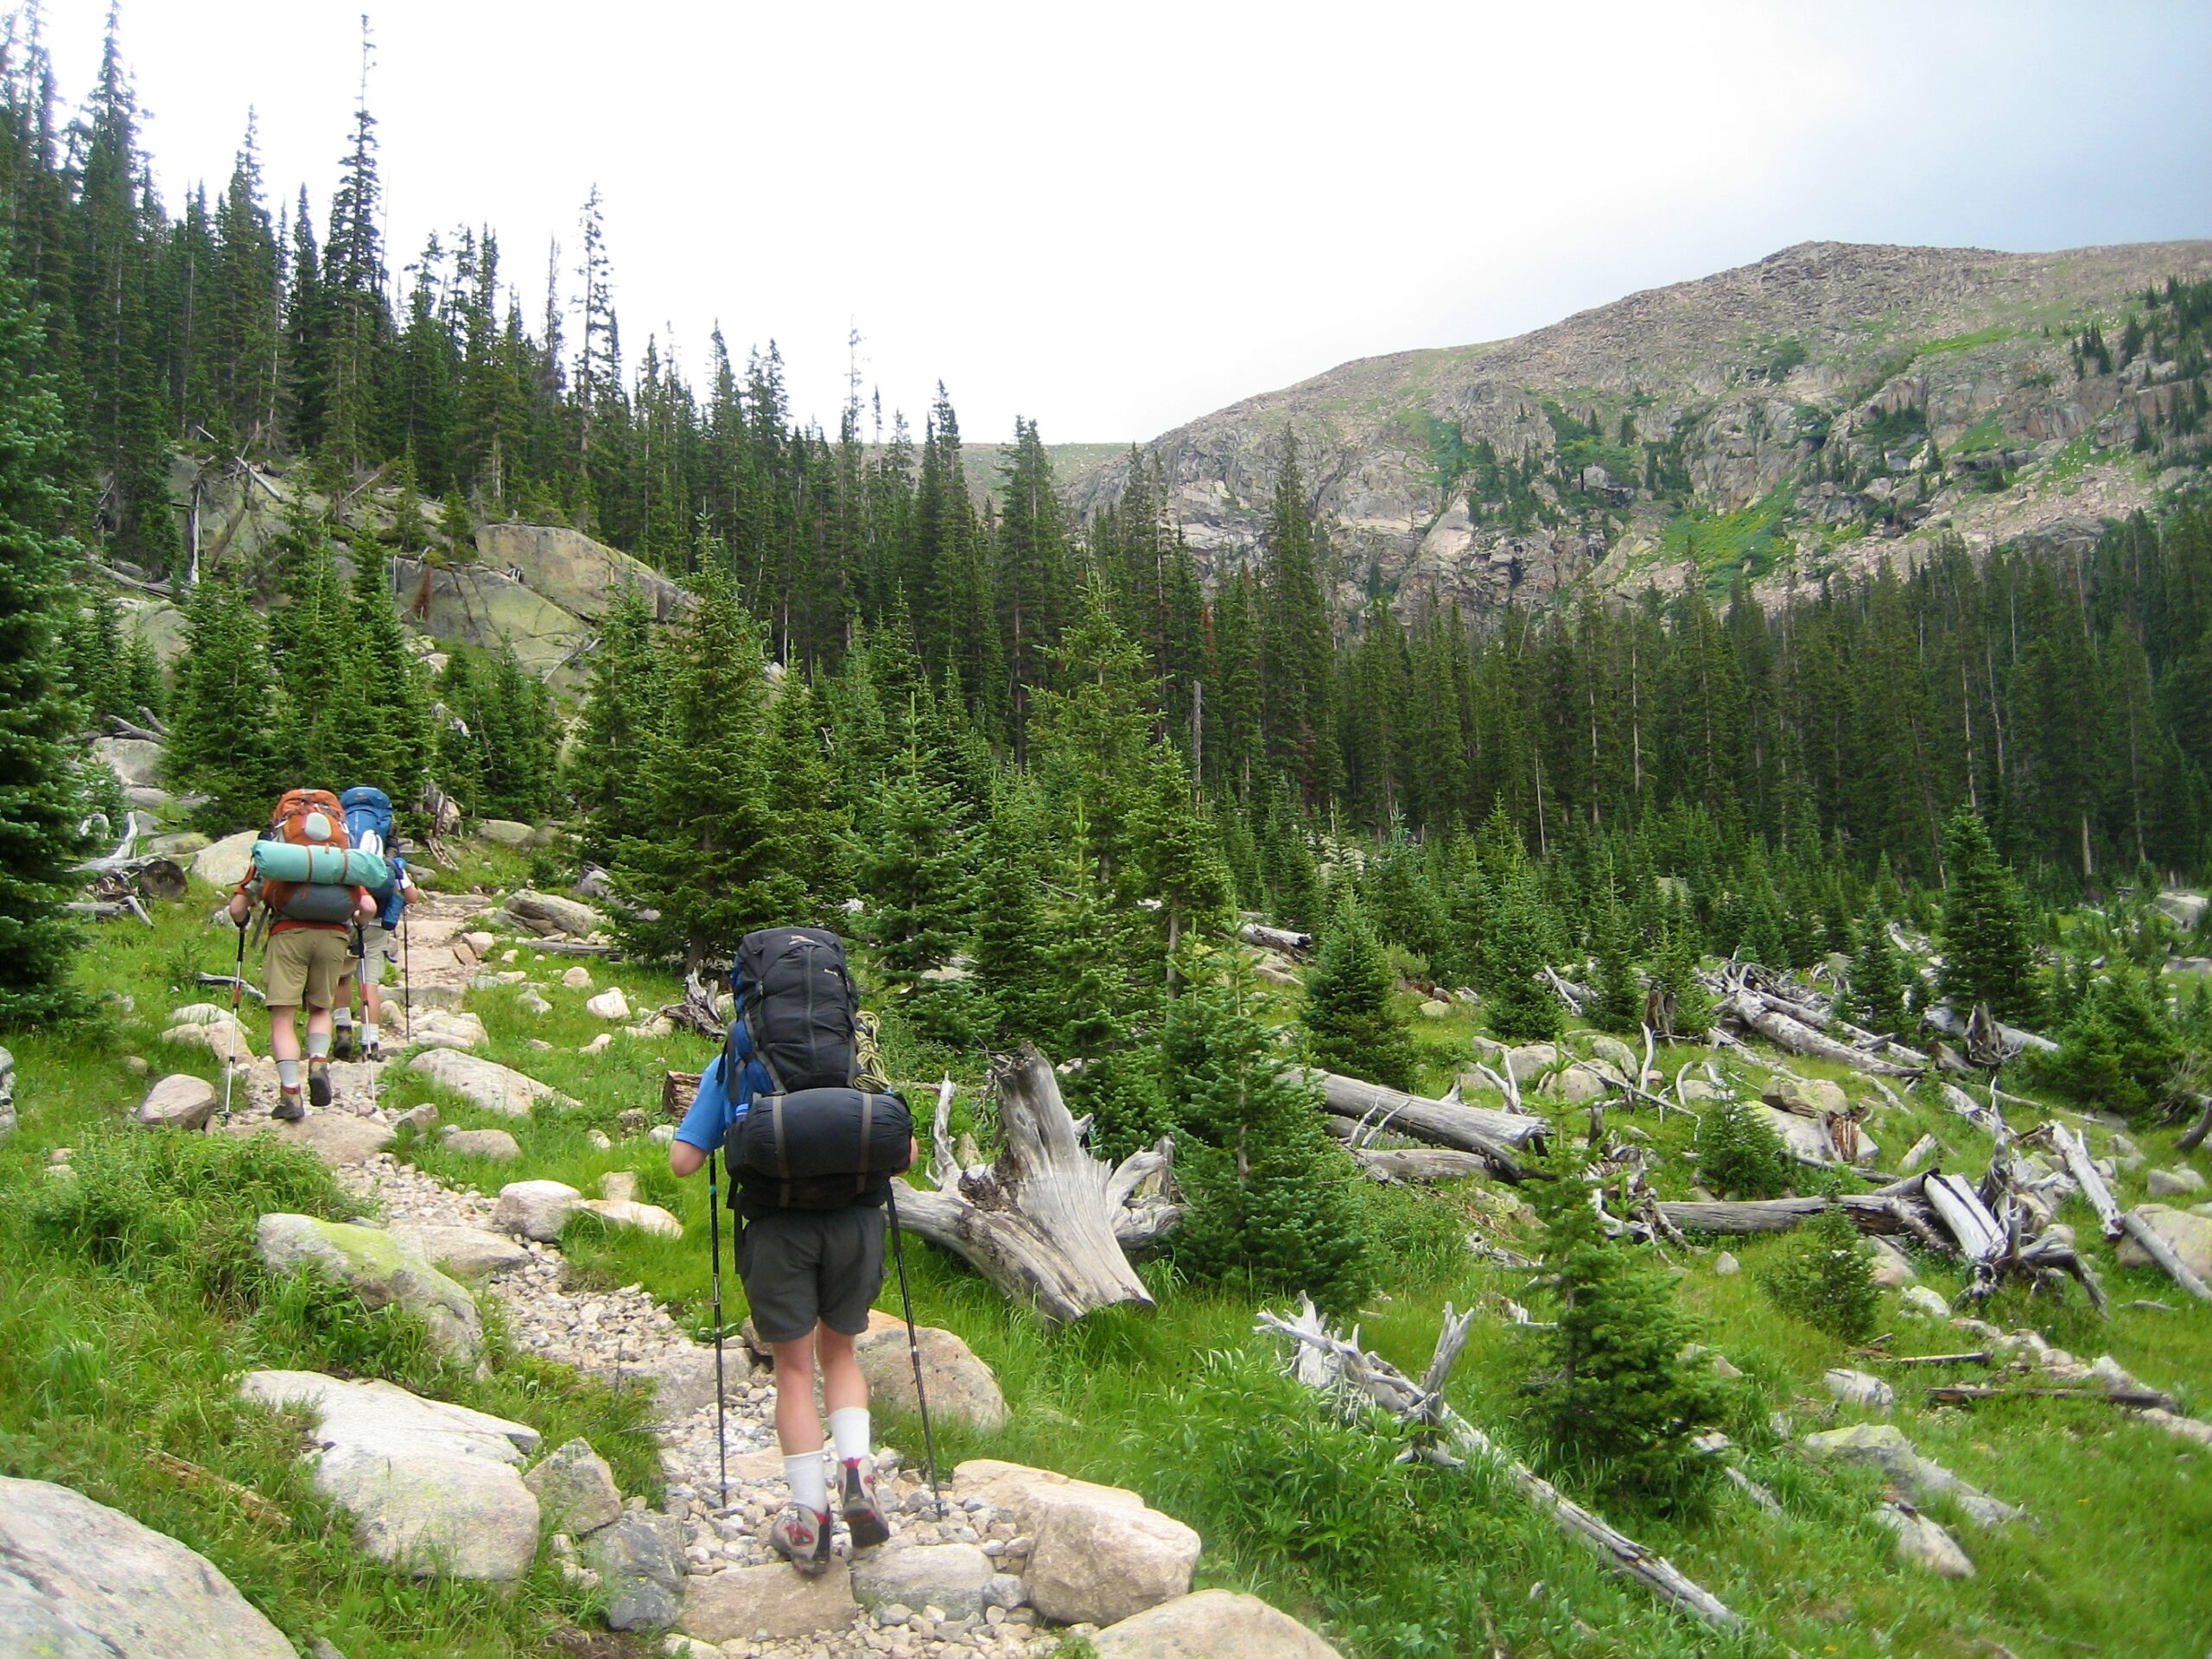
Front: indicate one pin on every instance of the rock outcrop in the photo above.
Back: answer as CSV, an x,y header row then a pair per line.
x,y
79,1580
380,1268
433,1488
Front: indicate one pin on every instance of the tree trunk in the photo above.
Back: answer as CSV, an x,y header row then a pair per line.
x,y
1276,939
1796,1036
1495,1137
1870,1212
1044,1221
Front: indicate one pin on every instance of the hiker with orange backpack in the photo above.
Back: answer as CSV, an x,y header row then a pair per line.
x,y
313,886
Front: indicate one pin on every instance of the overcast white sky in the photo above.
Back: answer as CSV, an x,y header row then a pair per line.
x,y
1114,219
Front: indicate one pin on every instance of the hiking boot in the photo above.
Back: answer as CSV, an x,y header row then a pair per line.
x,y
373,1053
802,1537
289,1108
863,1508
318,1082
342,1043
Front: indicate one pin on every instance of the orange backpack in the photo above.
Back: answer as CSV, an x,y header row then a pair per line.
x,y
308,818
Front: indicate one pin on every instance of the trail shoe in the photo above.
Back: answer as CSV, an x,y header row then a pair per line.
x,y
373,1053
318,1082
342,1043
802,1537
289,1108
863,1509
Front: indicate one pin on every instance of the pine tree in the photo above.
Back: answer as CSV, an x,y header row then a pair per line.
x,y
223,738
1684,1009
1619,1391
1986,954
1515,949
1876,1001
38,790
622,705
1350,1026
1012,941
1179,854
2118,1051
390,718
1826,1277
709,854
1271,1198
1739,1153
914,871
1619,1007
803,793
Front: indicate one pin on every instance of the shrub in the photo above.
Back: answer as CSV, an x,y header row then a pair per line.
x,y
1615,1392
1739,1156
2116,1050
1826,1278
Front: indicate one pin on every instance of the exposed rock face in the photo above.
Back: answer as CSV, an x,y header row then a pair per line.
x,y
433,1488
1740,381
79,1580
380,1268
1211,1624
132,759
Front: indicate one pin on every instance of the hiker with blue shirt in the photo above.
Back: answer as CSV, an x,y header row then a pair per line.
x,y
810,1244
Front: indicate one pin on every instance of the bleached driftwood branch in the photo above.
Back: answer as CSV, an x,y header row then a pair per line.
x,y
1329,1364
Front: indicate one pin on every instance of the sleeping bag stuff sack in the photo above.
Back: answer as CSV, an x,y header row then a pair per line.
x,y
320,867
819,1148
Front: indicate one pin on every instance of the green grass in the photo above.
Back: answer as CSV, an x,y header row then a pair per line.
x,y
1956,343
1749,540
1184,1403
1988,432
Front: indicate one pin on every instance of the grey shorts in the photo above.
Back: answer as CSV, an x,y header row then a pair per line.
x,y
377,950
800,1265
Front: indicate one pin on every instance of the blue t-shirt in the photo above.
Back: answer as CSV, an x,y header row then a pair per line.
x,y
713,1113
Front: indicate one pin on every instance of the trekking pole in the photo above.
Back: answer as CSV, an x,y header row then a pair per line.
x,y
406,976
914,1350
237,990
715,1244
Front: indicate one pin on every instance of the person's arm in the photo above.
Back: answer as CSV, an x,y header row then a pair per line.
x,y
703,1126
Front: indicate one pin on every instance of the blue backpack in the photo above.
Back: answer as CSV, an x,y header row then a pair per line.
x,y
368,827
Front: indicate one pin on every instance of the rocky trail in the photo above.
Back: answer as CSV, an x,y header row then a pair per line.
x,y
1018,1558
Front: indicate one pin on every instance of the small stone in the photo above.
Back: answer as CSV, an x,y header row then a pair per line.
x,y
575,1488
2173,1183
1860,1389
598,1045
578,978
136,1065
532,1002
1725,1263
535,1209
421,1118
618,1184
661,1133
495,1144
609,1004
1924,1542
178,1101
1918,1298
598,1139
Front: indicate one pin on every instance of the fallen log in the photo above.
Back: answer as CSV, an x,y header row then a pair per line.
x,y
1796,1036
1968,1394
1039,1222
1943,1018
1276,939
1419,1165
1497,1137
2193,1137
1870,1212
1329,1365
571,948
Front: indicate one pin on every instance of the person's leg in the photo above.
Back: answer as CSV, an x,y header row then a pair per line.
x,y
372,1019
285,985
852,1278
325,974
341,1020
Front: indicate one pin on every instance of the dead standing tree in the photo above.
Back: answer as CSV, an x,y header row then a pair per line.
x,y
1045,1222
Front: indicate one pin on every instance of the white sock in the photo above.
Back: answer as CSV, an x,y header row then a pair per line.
x,y
287,1076
318,1045
343,1019
369,1032
809,1486
848,1432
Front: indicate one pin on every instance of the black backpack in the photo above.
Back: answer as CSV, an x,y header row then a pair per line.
x,y
809,1140
795,1003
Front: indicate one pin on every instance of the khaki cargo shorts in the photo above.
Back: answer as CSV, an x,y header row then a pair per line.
x,y
378,948
305,964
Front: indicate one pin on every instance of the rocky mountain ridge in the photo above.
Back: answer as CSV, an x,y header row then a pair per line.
x,y
1826,409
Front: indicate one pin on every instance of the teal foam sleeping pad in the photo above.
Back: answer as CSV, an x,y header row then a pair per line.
x,y
320,867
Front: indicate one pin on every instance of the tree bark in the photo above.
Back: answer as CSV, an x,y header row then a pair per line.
x,y
1276,939
1417,1165
1869,1212
1042,1222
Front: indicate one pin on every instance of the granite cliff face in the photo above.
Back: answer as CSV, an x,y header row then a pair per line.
x,y
1829,407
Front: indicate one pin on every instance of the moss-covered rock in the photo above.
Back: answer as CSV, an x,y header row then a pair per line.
x,y
380,1269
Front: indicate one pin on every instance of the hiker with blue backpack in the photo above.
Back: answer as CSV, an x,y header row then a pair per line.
x,y
812,1133
369,825
311,884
